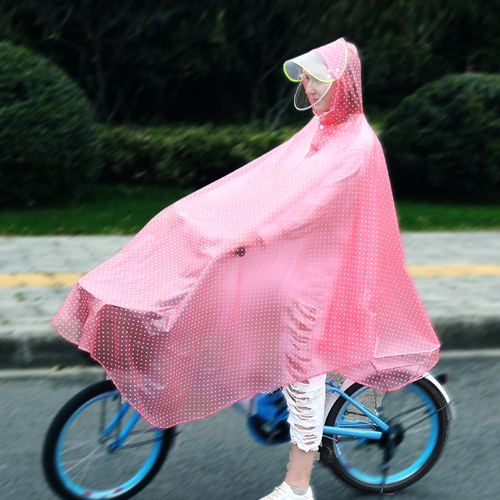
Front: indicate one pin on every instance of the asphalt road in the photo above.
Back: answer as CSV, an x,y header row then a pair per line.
x,y
217,459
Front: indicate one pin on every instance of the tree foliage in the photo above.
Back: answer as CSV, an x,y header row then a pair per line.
x,y
442,142
185,156
171,60
49,139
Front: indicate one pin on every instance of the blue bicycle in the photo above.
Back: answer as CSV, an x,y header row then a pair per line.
x,y
98,447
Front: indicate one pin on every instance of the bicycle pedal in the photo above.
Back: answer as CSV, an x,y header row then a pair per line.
x,y
326,455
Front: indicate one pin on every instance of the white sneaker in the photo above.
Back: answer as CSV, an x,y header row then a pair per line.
x,y
284,492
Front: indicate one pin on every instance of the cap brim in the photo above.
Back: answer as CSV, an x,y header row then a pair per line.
x,y
310,63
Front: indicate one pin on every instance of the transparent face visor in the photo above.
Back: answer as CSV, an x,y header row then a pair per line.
x,y
308,69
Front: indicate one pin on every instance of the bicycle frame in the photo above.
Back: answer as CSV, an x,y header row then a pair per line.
x,y
329,431
356,429
361,426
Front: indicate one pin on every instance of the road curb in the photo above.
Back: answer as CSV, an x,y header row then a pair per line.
x,y
468,332
36,348
43,347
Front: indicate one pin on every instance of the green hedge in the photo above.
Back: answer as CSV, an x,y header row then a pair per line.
x,y
184,156
443,142
215,60
49,141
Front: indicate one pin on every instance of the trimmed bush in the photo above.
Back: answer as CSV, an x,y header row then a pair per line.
x,y
184,156
130,154
49,141
443,142
144,61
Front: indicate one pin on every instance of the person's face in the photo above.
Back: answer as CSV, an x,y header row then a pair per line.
x,y
315,89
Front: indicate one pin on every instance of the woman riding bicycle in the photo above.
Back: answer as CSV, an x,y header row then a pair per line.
x,y
286,269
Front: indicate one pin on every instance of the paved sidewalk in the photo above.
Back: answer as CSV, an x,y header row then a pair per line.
x,y
456,273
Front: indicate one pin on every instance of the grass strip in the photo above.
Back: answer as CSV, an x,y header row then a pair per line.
x,y
426,216
101,209
121,209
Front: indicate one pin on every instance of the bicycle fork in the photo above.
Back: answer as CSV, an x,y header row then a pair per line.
x,y
124,433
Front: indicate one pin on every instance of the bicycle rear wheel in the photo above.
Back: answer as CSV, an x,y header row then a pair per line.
x,y
418,419
78,458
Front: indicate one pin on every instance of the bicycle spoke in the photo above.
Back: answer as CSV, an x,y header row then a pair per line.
x,y
80,461
425,418
136,435
92,455
405,451
398,416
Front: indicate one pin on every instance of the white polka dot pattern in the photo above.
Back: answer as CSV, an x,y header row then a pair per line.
x,y
287,268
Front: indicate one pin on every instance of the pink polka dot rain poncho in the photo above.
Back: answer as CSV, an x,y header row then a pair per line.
x,y
288,267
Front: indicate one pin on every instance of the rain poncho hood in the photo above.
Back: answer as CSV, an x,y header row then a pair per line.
x,y
311,66
288,267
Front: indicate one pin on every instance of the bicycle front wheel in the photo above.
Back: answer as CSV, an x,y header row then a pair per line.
x,y
82,457
418,420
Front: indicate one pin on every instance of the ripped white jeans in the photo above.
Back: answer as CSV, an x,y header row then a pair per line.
x,y
306,407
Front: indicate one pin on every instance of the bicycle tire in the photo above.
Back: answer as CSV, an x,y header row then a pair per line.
x,y
99,473
358,462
